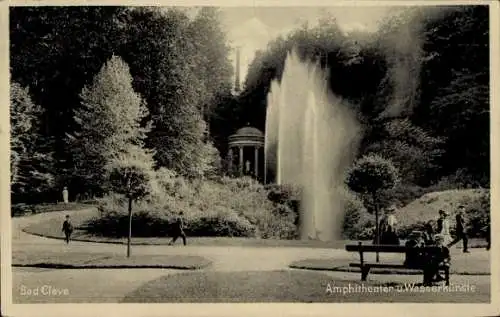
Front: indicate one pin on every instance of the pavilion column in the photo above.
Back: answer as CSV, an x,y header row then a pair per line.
x,y
256,162
241,160
230,159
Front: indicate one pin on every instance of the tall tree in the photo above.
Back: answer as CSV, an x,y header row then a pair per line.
x,y
454,86
164,60
212,57
109,121
30,158
56,51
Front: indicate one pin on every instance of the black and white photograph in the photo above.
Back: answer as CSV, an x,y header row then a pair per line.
x,y
250,154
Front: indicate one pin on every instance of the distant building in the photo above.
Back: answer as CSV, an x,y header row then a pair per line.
x,y
246,153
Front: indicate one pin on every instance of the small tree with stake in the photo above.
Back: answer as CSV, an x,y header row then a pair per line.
x,y
131,174
370,176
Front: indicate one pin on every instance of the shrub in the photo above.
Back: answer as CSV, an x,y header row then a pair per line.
x,y
279,224
404,231
367,231
478,214
229,207
155,218
222,222
283,194
354,217
371,175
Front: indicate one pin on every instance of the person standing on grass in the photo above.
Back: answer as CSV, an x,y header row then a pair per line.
x,y
460,229
444,227
67,228
387,227
178,230
65,195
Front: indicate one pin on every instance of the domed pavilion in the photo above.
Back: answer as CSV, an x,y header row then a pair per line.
x,y
246,152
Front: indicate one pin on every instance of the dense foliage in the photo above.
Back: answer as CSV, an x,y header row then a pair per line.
x,y
227,207
31,155
179,65
91,84
419,85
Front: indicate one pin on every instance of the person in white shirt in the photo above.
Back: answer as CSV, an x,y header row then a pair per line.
x,y
443,228
65,195
388,227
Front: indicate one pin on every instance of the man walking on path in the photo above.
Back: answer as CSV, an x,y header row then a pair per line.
x,y
67,228
460,230
178,230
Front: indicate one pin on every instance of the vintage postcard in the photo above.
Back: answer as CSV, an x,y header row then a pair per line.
x,y
267,157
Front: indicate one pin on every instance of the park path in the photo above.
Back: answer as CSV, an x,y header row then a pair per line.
x,y
224,258
110,285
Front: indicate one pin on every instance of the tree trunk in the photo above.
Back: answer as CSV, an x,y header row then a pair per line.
x,y
129,226
377,227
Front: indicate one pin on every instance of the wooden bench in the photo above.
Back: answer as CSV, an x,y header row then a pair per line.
x,y
368,248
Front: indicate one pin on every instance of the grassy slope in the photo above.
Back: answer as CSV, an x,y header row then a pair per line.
x,y
426,207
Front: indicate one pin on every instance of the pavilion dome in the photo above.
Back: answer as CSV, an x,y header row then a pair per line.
x,y
247,136
249,131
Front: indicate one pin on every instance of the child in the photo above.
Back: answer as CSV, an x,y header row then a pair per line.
x,y
178,230
67,228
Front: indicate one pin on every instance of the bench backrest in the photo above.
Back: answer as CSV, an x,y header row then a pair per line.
x,y
388,248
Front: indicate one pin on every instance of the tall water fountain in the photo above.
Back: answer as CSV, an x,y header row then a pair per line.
x,y
311,138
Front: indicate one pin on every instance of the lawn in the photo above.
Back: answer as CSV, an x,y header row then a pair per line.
x,y
285,286
19,210
72,259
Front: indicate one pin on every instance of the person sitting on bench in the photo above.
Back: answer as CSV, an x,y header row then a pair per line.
x,y
436,260
414,256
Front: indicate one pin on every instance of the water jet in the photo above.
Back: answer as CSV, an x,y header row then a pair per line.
x,y
311,139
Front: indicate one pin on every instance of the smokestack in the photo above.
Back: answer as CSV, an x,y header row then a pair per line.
x,y
237,87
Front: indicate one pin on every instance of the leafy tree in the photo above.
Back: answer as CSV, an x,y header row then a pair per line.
x,y
163,60
131,174
413,151
454,88
369,177
30,159
109,122
56,51
211,161
213,65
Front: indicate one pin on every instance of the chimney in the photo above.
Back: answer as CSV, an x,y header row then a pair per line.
x,y
237,87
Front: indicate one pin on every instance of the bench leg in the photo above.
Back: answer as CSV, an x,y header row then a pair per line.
x,y
364,272
429,273
447,276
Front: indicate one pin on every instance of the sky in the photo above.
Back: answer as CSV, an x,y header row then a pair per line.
x,y
252,28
